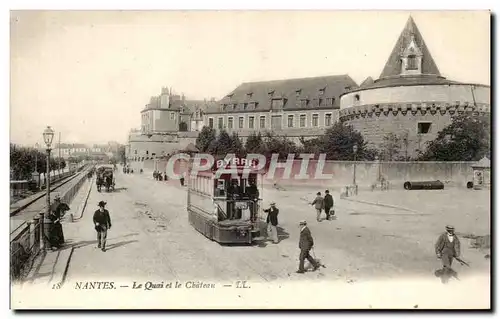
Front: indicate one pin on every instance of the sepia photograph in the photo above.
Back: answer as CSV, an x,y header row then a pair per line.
x,y
306,159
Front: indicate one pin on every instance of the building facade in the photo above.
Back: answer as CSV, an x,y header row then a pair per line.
x,y
410,99
168,123
292,108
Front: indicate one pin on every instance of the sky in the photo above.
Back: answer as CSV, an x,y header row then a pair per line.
x,y
88,74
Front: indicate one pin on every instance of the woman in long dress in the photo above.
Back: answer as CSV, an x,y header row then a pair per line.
x,y
57,211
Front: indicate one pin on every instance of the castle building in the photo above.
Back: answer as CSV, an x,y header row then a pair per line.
x,y
410,99
168,122
292,107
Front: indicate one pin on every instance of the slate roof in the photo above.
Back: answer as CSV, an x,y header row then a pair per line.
x,y
393,64
293,90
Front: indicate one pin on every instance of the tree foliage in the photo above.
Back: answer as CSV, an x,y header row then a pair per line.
x,y
338,144
25,161
205,139
467,138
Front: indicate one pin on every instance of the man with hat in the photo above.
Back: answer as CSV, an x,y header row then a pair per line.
x,y
447,247
102,222
328,200
272,222
306,243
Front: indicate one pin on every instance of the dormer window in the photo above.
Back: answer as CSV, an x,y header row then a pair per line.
x,y
322,91
224,106
245,106
298,92
249,95
411,63
411,58
230,95
270,93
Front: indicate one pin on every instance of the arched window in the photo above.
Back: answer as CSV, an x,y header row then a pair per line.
x,y
411,62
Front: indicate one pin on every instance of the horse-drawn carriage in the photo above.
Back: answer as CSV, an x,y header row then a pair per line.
x,y
105,178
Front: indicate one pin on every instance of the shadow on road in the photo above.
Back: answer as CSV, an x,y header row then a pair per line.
x,y
123,243
119,189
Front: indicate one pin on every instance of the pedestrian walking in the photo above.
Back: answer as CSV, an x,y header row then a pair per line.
x,y
102,223
165,177
447,247
272,222
306,243
329,205
318,204
57,211
182,179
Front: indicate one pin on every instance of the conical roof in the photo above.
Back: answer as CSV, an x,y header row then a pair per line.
x,y
393,64
367,81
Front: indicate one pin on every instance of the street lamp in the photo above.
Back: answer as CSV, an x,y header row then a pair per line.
x,y
48,135
355,151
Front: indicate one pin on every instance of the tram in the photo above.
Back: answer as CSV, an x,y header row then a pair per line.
x,y
225,207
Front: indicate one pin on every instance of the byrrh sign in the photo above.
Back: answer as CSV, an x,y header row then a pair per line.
x,y
238,162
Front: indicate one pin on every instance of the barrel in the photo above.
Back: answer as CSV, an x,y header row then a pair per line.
x,y
423,185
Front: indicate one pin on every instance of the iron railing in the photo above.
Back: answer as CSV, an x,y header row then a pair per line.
x,y
28,243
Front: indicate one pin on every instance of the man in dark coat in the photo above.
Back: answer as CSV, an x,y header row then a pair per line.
x,y
447,247
328,201
102,222
306,243
272,222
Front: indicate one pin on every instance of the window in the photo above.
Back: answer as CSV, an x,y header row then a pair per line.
x,y
221,123
315,120
320,102
256,104
322,91
230,122
270,93
304,103
249,95
411,62
240,122
330,101
302,120
328,119
297,93
172,115
251,120
245,106
211,122
290,121
424,127
263,122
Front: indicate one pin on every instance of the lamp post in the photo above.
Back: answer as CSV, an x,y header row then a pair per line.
x,y
355,151
48,135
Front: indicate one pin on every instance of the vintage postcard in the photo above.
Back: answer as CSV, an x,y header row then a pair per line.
x,y
250,160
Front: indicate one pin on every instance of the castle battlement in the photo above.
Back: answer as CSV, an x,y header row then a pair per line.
x,y
412,109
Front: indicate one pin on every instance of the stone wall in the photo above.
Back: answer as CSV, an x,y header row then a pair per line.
x,y
375,121
455,174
